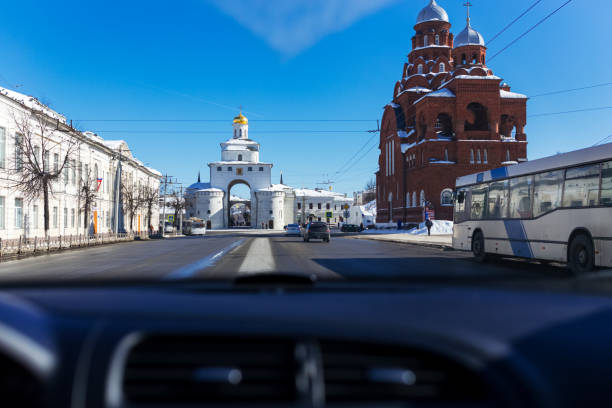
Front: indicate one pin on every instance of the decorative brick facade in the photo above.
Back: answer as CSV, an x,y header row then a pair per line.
x,y
449,117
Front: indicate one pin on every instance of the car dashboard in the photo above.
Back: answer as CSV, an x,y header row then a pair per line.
x,y
335,345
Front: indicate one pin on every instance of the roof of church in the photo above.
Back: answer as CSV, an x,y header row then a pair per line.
x,y
469,36
432,12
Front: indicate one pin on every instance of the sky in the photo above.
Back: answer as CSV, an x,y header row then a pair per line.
x,y
312,76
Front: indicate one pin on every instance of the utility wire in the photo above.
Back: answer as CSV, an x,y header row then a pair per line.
x,y
603,140
224,132
223,120
345,172
513,21
570,111
530,29
571,90
367,143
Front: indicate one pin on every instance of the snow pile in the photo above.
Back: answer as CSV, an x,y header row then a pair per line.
x,y
439,227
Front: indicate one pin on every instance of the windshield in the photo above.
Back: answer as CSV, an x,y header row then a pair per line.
x,y
248,137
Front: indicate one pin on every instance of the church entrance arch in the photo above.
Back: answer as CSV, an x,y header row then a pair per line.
x,y
238,205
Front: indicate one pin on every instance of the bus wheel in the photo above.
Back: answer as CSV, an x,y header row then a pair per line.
x,y
478,247
581,256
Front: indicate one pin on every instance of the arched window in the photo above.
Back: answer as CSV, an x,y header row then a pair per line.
x,y
437,39
445,124
239,157
478,156
414,201
235,132
445,154
463,59
474,59
420,69
422,198
426,41
407,199
478,118
472,156
486,158
446,197
507,155
442,67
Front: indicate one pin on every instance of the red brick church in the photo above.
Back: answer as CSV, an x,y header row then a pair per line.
x,y
450,116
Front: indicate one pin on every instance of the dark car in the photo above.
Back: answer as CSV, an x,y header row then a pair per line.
x,y
350,228
317,230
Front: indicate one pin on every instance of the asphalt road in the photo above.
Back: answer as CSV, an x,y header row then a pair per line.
x,y
223,256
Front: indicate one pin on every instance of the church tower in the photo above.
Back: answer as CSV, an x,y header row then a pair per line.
x,y
470,50
241,127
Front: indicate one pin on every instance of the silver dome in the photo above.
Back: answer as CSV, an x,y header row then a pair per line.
x,y
469,36
432,12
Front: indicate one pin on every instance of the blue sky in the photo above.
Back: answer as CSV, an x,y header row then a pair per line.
x,y
286,60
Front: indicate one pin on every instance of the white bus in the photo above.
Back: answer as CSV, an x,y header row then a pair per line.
x,y
558,208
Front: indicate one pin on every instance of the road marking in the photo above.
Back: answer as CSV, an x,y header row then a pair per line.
x,y
188,271
259,258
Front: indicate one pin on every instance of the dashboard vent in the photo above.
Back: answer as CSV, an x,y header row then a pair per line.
x,y
179,370
367,372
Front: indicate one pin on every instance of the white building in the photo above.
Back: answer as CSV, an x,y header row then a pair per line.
x,y
21,216
271,205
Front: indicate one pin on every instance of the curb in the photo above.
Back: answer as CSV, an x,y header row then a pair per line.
x,y
397,241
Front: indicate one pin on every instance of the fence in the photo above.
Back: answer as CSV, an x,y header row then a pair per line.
x,y
10,248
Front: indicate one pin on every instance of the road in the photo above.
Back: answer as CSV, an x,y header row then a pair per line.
x,y
228,255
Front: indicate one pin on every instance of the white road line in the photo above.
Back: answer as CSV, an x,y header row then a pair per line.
x,y
188,271
259,258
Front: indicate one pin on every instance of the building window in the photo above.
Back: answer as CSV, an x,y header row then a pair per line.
x,y
414,200
299,206
19,213
18,151
437,39
420,69
250,169
72,218
261,169
319,206
55,162
327,206
2,225
407,199
422,198
229,168
239,157
65,217
486,158
271,212
425,41
319,218
66,175
478,156
446,197
310,206
207,212
35,217
2,148
507,155
472,156
218,168
335,206
73,171
442,67
54,217
239,172
445,154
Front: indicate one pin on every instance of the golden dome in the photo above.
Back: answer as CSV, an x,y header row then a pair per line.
x,y
241,119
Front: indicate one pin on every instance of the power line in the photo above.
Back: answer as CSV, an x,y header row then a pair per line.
x,y
367,143
223,120
513,21
356,161
530,29
603,140
223,132
570,111
571,90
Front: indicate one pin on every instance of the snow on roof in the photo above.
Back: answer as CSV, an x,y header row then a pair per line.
x,y
306,192
276,187
238,163
393,105
240,142
430,46
511,95
112,144
403,134
418,89
152,170
440,93
477,77
32,103
198,186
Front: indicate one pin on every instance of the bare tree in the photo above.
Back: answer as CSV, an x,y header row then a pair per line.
x,y
88,191
149,198
131,199
42,153
369,193
178,203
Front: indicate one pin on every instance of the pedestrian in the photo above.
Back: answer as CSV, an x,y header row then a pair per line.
x,y
399,224
361,227
428,222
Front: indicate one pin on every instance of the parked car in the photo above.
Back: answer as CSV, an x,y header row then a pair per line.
x,y
293,230
317,230
350,228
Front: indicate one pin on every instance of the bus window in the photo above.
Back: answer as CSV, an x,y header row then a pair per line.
x,y
520,197
581,186
548,188
460,207
606,184
498,199
477,205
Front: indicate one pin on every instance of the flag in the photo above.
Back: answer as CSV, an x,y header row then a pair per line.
x,y
99,183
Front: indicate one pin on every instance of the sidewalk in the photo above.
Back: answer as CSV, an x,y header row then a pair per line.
x,y
445,241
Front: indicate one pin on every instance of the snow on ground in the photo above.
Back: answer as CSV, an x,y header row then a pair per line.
x,y
439,227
